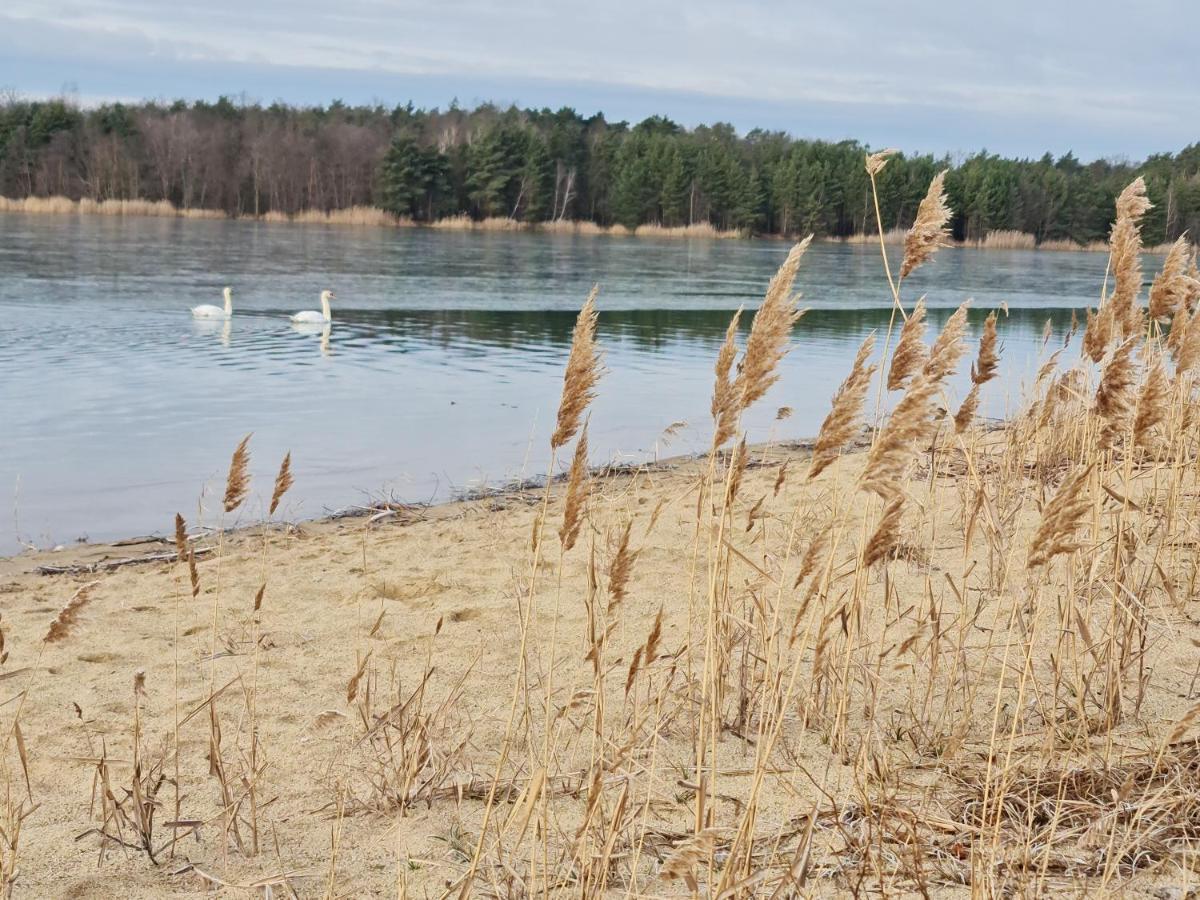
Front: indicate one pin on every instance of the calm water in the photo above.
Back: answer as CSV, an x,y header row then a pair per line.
x,y
441,370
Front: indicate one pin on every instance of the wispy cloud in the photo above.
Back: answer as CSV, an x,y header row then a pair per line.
x,y
1019,77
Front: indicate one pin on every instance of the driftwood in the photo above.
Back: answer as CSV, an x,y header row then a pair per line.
x,y
108,565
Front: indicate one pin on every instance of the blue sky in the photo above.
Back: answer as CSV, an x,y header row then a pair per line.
x,y
1102,79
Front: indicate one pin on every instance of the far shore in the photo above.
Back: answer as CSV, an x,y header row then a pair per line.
x,y
368,216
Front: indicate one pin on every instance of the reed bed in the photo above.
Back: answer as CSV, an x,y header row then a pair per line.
x,y
936,656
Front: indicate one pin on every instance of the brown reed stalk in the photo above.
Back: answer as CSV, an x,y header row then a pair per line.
x,y
1125,248
1152,403
1187,352
910,423
929,230
1062,518
724,398
845,418
68,616
238,480
987,362
1171,288
581,374
886,537
181,541
1115,397
1098,333
577,494
283,482
966,413
911,352
949,347
770,331
620,570
876,161
741,458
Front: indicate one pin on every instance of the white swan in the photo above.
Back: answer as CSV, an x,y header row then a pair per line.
x,y
208,311
310,315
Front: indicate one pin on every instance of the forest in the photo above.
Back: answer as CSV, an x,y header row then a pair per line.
x,y
536,166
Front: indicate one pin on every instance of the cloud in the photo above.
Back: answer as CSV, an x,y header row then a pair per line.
x,y
1016,78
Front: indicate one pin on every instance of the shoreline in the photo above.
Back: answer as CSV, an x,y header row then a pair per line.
x,y
101,557
373,217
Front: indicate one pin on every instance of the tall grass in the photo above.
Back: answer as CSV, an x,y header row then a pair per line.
x,y
950,658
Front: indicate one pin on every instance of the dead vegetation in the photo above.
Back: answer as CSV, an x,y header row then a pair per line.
x,y
949,664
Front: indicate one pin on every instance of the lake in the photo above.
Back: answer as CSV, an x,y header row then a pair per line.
x,y
441,371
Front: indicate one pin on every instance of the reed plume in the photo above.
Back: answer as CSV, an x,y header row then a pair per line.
x,y
238,480
68,616
1179,328
911,351
581,375
724,398
577,494
876,161
887,533
910,423
1098,332
1061,519
987,362
620,570
769,332
845,418
181,544
283,482
948,348
1152,403
1187,353
1125,247
741,458
1115,396
966,412
1171,288
929,230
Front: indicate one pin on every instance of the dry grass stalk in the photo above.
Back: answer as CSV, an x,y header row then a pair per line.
x,y
845,418
283,482
988,360
1152,403
620,570
1116,396
737,465
966,413
911,352
929,230
949,347
181,541
238,480
876,161
1187,351
1062,519
1125,245
910,423
581,375
1098,333
770,331
577,494
1172,286
886,537
68,616
724,399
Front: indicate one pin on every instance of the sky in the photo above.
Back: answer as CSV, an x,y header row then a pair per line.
x,y
1018,77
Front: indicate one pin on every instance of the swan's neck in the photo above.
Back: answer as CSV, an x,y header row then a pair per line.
x,y
325,307
228,303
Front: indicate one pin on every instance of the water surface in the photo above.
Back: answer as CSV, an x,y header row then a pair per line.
x,y
440,372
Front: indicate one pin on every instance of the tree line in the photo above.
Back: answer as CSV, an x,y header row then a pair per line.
x,y
541,165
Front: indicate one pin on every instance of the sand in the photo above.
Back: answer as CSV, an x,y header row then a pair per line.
x,y
356,596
